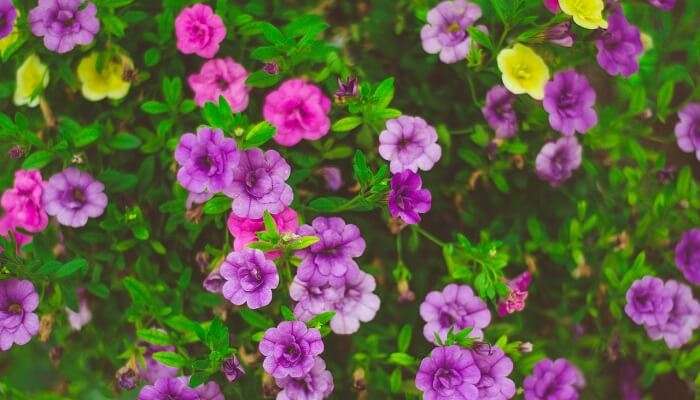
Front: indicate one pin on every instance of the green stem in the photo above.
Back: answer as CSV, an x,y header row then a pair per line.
x,y
429,236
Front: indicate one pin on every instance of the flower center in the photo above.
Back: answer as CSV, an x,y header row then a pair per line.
x,y
292,353
522,72
78,196
66,17
454,27
15,309
446,319
221,83
445,379
251,278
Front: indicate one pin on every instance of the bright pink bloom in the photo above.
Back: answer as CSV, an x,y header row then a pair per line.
x,y
221,77
515,301
22,206
552,5
199,31
244,229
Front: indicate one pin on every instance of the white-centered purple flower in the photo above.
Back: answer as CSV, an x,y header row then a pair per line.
x,y
407,199
554,380
569,100
495,367
290,349
18,322
455,308
449,373
73,196
409,143
317,384
683,318
250,278
619,46
557,161
499,112
687,129
446,31
64,23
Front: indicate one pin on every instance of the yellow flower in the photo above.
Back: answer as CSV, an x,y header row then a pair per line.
x,y
32,78
523,71
587,13
109,81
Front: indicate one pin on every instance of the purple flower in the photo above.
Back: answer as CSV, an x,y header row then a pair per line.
x,y
688,129
18,322
232,369
290,349
207,161
554,380
648,301
666,5
259,184
73,196
332,256
64,23
346,89
8,15
688,255
557,160
169,388
552,5
629,381
619,46
152,370
250,278
569,100
684,317
84,315
313,299
409,143
317,384
333,178
456,308
446,31
208,391
517,294
495,367
449,373
499,112
214,282
560,34
406,198
126,378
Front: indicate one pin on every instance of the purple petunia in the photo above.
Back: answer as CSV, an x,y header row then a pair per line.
x,y
250,278
232,369
446,31
152,370
290,349
558,160
18,322
64,23
317,384
569,100
169,388
259,184
687,129
409,143
560,34
688,255
619,46
649,302
455,308
554,380
214,282
8,15
406,198
449,373
495,367
314,298
683,318
73,196
499,112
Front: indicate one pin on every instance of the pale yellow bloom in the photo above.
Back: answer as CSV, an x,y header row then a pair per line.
x,y
524,71
110,81
647,41
32,79
587,13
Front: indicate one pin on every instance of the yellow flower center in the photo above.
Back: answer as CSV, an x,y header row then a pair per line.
x,y
522,71
454,27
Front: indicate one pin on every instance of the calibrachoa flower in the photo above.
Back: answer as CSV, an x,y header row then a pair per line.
x,y
22,202
569,100
524,71
168,388
299,110
666,5
198,30
688,129
446,31
214,282
406,198
290,349
332,256
557,160
32,79
619,46
449,373
409,143
259,184
629,381
455,308
317,384
517,294
346,89
499,112
231,368
560,34
683,319
221,77
152,371
73,196
250,278
108,81
313,299
688,255
358,303
244,230
64,23
552,5
495,367
649,302
333,178
18,322
77,320
8,15
554,380
586,13
208,391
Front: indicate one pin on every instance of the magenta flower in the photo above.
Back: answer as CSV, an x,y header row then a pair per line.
x,y
299,110
455,308
688,129
151,370
688,255
198,30
406,198
569,100
244,230
495,367
8,230
666,5
554,380
560,34
446,31
683,319
517,294
449,373
169,388
551,5
221,77
64,23
250,278
557,161
499,112
648,301
317,384
73,196
290,349
619,46
409,143
8,15
18,322
259,184
232,369
23,207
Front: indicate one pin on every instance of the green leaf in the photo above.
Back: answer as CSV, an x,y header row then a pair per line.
x,y
113,24
395,381
170,359
38,160
346,124
217,205
255,319
338,152
362,171
70,268
87,135
183,324
140,294
287,313
259,135
151,57
124,141
303,242
172,90
272,34
402,359
384,93
480,37
154,107
265,53
404,340
321,319
154,336
269,222
327,204
261,79
217,336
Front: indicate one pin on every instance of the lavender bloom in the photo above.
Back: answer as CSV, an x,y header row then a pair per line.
x,y
569,100
688,255
456,308
619,46
8,15
449,373
232,369
560,34
73,196
214,282
317,384
84,315
332,256
250,278
446,31
629,381
495,367
557,160
406,198
688,129
64,23
553,380
347,89
152,370
409,143
684,317
666,5
648,302
18,322
259,184
333,178
313,299
499,112
208,391
169,388
290,349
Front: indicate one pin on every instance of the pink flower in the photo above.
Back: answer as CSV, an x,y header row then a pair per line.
x,y
221,77
22,205
199,31
552,5
515,300
244,229
298,110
